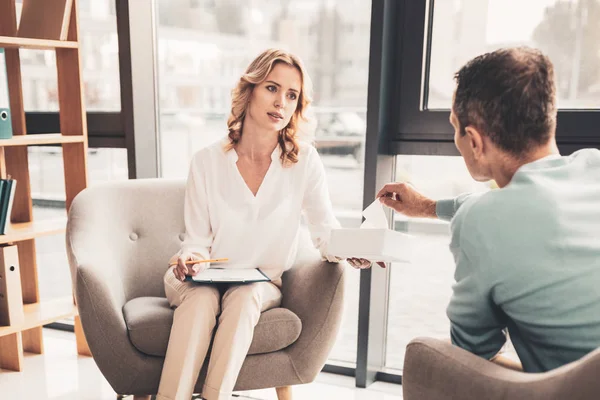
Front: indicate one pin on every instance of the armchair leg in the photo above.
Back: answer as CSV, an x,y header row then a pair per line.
x,y
284,393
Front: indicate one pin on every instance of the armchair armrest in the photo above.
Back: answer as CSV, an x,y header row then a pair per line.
x,y
437,370
313,290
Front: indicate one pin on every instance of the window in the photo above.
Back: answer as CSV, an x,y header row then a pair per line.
x,y
420,290
204,49
436,38
567,31
99,58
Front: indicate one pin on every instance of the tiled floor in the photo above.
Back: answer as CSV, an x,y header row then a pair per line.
x,y
60,374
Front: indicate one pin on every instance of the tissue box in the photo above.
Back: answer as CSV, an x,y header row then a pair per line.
x,y
372,244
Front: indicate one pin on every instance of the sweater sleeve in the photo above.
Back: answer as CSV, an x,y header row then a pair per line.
x,y
446,209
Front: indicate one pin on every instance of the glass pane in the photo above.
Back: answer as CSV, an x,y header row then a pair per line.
x,y
99,62
205,46
420,290
566,30
48,193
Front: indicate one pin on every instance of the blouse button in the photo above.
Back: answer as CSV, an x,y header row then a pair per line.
x,y
182,237
133,236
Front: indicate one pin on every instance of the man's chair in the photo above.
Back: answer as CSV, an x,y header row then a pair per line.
x,y
436,370
120,237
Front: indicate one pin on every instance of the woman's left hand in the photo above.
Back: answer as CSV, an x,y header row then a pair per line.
x,y
361,263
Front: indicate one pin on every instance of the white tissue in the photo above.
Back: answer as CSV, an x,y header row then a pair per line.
x,y
375,217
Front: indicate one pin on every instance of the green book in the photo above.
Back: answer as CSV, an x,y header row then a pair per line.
x,y
8,195
3,202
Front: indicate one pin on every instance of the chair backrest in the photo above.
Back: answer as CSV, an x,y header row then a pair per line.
x,y
130,229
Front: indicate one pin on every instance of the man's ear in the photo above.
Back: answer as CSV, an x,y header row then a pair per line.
x,y
475,142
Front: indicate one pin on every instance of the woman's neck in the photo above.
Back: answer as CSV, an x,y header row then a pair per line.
x,y
255,143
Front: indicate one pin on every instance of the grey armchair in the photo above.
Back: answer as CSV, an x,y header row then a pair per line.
x,y
119,238
436,370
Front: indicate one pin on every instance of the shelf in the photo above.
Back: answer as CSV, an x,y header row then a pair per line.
x,y
30,230
43,313
40,44
38,139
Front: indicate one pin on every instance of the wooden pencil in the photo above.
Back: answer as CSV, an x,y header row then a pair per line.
x,y
192,262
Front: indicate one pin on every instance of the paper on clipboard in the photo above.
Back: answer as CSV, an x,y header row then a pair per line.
x,y
230,275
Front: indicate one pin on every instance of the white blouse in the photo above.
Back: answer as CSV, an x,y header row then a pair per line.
x,y
223,218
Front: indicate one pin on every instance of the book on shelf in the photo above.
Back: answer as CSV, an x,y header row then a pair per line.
x,y
7,197
5,122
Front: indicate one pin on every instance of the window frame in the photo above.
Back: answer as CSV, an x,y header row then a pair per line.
x,y
422,131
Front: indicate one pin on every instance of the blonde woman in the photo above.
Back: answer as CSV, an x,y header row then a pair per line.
x,y
244,200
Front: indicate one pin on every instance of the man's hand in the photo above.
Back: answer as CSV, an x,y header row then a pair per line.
x,y
404,198
182,269
361,263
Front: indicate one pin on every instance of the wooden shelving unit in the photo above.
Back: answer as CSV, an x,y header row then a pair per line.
x,y
12,42
47,138
20,231
42,313
23,230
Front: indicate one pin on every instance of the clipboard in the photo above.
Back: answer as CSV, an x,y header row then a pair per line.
x,y
229,275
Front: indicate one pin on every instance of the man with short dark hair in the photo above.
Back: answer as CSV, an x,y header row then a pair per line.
x,y
527,254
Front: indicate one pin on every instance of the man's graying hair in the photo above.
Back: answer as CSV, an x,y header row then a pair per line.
x,y
508,95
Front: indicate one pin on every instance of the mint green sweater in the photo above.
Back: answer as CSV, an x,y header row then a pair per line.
x,y
528,259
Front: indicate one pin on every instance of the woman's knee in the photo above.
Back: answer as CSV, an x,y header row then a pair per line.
x,y
254,298
242,295
202,296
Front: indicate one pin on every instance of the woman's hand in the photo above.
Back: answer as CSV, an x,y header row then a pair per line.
x,y
361,263
182,269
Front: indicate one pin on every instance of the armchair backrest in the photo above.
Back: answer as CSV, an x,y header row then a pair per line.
x,y
129,230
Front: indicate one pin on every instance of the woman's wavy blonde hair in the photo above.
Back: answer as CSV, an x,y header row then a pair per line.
x,y
255,74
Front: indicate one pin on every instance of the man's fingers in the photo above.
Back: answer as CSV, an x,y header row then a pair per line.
x,y
391,203
390,188
387,188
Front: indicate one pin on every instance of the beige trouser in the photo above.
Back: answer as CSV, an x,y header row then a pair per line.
x,y
193,324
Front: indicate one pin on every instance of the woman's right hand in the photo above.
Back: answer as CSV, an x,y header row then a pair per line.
x,y
182,269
